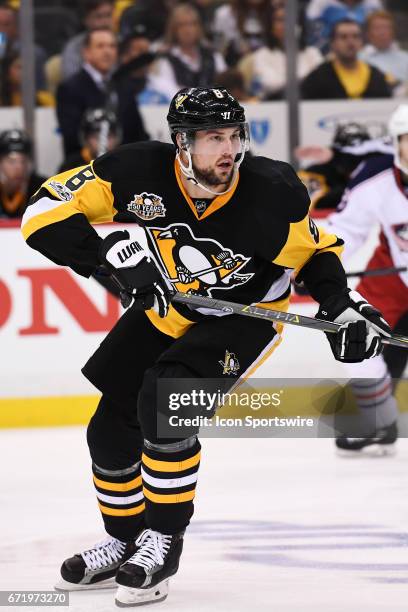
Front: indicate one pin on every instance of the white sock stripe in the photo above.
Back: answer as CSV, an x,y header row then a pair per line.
x,y
169,483
120,501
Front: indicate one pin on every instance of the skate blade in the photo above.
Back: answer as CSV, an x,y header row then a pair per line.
x,y
64,585
127,597
374,450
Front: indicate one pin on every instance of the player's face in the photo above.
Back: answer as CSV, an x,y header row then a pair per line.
x,y
214,153
403,149
14,170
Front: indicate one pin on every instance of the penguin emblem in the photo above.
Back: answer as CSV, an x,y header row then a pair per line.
x,y
230,365
147,206
196,265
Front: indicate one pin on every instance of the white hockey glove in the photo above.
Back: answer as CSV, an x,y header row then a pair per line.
x,y
363,327
130,265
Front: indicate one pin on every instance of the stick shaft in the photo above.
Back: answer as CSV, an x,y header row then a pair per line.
x,y
289,318
377,272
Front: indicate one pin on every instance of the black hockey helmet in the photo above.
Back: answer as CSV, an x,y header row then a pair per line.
x,y
201,108
15,141
349,135
92,120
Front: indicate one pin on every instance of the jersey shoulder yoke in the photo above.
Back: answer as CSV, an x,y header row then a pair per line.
x,y
138,159
276,184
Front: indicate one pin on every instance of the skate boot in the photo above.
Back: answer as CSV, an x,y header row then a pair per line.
x,y
381,443
95,568
144,577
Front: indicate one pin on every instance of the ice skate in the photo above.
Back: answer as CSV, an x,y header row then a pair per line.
x,y
96,567
144,577
380,444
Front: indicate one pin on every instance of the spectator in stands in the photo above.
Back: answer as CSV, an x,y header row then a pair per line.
x,y
18,180
136,56
323,14
264,70
241,27
189,61
94,87
345,76
99,132
96,14
382,50
9,28
88,88
11,86
152,13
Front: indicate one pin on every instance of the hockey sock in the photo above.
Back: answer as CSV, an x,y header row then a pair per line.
x,y
376,403
169,473
120,499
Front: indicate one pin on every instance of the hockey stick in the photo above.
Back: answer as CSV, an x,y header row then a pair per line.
x,y
377,272
290,318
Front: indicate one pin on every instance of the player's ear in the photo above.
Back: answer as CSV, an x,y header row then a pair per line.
x,y
182,141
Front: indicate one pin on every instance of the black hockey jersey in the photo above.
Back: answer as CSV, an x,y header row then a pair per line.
x,y
242,246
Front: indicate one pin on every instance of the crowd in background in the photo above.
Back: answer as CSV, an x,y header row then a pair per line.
x,y
99,60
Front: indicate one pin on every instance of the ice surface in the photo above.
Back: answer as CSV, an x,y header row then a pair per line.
x,y
280,525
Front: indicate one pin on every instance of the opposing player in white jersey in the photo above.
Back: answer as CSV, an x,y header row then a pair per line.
x,y
378,194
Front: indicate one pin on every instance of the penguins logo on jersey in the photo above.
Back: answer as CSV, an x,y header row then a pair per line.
x,y
230,365
196,265
147,206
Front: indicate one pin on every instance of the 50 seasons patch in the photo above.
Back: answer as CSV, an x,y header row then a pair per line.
x,y
147,206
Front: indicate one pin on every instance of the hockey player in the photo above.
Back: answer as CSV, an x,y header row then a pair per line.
x,y
377,194
207,219
327,180
18,180
89,135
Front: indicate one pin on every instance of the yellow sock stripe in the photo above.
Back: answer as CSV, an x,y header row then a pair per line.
x,y
171,466
118,486
174,498
121,511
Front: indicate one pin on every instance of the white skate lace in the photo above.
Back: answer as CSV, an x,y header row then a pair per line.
x,y
104,553
153,548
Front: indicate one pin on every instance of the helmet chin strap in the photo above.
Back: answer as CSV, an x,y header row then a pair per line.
x,y
190,176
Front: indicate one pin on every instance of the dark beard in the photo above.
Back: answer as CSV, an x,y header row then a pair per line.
x,y
208,177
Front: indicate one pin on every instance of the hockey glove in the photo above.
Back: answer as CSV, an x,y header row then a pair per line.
x,y
362,327
130,265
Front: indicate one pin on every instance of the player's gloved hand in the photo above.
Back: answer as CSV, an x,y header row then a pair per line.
x,y
363,327
130,265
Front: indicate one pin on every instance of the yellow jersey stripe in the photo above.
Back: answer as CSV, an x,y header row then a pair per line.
x,y
118,486
174,324
60,213
121,511
174,498
171,466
